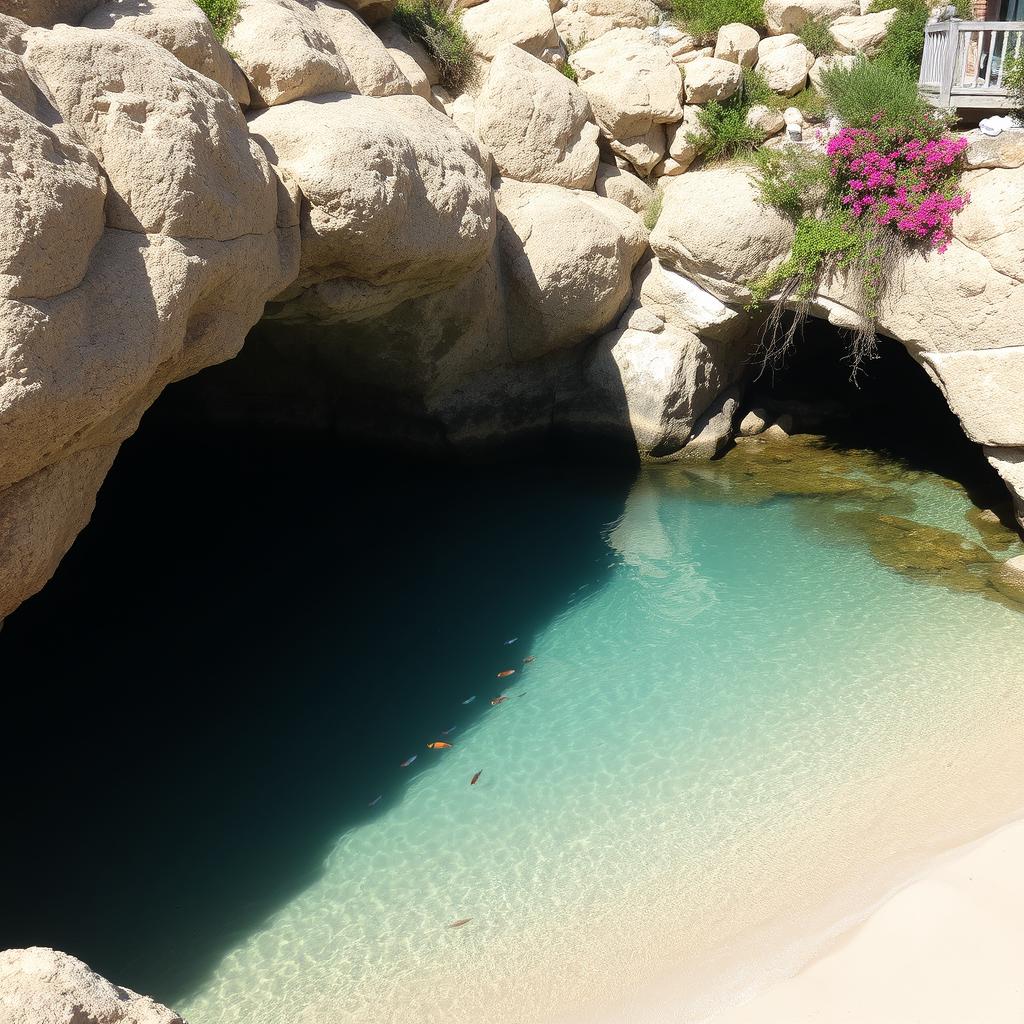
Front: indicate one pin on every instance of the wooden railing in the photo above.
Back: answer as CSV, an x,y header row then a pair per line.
x,y
965,62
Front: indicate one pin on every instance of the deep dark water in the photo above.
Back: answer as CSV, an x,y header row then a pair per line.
x,y
234,659
256,629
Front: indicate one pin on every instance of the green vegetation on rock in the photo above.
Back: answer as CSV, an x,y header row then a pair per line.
x,y
869,88
904,42
440,32
703,18
816,37
725,132
222,15
653,211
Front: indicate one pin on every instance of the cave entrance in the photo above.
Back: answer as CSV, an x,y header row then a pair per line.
x,y
892,407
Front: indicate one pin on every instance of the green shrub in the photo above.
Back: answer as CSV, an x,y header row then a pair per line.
x,y
440,31
726,133
794,180
856,94
1013,79
817,38
222,15
904,42
757,93
569,71
653,211
703,18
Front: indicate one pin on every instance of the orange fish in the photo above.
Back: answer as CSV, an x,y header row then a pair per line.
x,y
506,673
460,922
438,745
473,781
499,700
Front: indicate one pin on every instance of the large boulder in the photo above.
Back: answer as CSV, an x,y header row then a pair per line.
x,y
395,202
713,230
862,33
42,986
396,40
737,43
95,322
785,69
536,123
567,258
709,78
1009,464
374,69
180,27
174,147
372,11
783,16
579,21
524,23
624,187
634,88
285,52
47,13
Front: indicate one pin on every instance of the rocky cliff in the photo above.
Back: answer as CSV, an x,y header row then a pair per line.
x,y
445,271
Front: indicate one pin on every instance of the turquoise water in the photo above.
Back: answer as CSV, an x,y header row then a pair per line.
x,y
737,730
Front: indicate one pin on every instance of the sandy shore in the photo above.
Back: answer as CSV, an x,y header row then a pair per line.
x,y
946,949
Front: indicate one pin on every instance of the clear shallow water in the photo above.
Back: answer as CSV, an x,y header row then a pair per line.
x,y
739,727
743,722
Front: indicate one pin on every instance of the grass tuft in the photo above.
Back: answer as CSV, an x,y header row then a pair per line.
x,y
817,38
222,15
703,18
439,30
653,211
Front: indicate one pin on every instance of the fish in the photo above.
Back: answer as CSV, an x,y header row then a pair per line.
x,y
495,701
505,673
377,800
439,745
469,701
451,730
408,761
460,922
512,641
473,781
527,660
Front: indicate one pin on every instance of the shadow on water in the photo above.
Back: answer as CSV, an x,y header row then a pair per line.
x,y
233,660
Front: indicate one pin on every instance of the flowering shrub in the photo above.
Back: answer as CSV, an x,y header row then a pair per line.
x,y
912,187
881,187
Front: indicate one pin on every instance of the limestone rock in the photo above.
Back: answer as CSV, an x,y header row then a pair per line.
x,y
713,431
180,27
47,13
583,20
737,43
536,122
372,11
708,78
641,152
419,84
655,385
372,68
790,15
862,33
832,60
1009,464
567,258
395,39
150,120
765,120
630,81
624,187
1005,150
985,388
1009,578
713,230
395,203
524,23
993,222
51,206
785,69
680,148
285,52
772,43
753,423
41,986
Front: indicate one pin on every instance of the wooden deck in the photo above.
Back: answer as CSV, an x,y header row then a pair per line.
x,y
964,63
